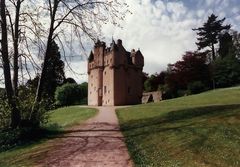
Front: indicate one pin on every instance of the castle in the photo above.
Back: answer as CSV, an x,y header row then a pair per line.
x,y
114,75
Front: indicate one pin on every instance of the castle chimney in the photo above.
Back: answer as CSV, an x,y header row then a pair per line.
x,y
119,42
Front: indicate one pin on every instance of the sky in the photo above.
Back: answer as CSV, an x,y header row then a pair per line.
x,y
162,29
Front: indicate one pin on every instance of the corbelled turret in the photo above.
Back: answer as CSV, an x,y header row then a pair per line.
x,y
137,58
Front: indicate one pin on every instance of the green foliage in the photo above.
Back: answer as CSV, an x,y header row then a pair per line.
x,y
71,94
226,47
153,82
196,87
4,111
209,33
226,72
54,75
186,131
26,101
147,85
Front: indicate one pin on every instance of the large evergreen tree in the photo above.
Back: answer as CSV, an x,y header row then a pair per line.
x,y
208,34
226,47
54,71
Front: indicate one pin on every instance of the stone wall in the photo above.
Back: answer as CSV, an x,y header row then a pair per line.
x,y
152,97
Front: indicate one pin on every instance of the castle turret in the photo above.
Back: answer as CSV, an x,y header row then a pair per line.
x,y
137,58
99,49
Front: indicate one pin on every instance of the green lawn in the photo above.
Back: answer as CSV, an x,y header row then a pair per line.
x,y
59,120
198,130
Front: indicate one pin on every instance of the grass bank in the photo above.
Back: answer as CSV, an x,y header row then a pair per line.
x,y
198,130
59,120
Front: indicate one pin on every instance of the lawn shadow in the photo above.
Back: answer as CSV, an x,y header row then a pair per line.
x,y
181,115
178,133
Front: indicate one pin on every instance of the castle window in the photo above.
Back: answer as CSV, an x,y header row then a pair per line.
x,y
105,72
105,89
111,60
107,61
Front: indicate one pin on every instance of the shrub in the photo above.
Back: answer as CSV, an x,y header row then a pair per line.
x,y
4,112
70,94
196,87
226,72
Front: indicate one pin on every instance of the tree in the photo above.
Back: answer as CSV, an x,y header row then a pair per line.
x,y
15,113
69,80
208,34
225,45
227,72
54,72
193,67
71,94
153,82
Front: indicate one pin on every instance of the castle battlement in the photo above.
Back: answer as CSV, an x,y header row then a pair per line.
x,y
114,75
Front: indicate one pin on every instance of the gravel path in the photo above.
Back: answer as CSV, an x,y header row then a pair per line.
x,y
97,143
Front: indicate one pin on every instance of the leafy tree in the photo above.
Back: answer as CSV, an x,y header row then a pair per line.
x,y
69,80
193,67
70,94
152,83
208,34
225,45
226,72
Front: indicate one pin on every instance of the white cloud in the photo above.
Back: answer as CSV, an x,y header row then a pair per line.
x,y
162,29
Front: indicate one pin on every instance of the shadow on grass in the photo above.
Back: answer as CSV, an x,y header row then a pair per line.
x,y
181,115
195,132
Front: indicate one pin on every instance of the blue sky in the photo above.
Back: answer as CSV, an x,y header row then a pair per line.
x,y
162,29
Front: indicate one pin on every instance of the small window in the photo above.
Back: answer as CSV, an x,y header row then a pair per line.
x,y
105,72
105,89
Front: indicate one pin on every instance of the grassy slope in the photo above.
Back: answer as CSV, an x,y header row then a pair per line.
x,y
58,120
198,130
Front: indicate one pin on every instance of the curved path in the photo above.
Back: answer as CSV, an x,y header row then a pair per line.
x,y
96,143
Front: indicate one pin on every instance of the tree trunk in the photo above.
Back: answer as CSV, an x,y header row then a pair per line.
x,y
213,52
15,114
15,45
42,78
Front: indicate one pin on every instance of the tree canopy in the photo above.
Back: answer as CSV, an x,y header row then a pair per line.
x,y
209,33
